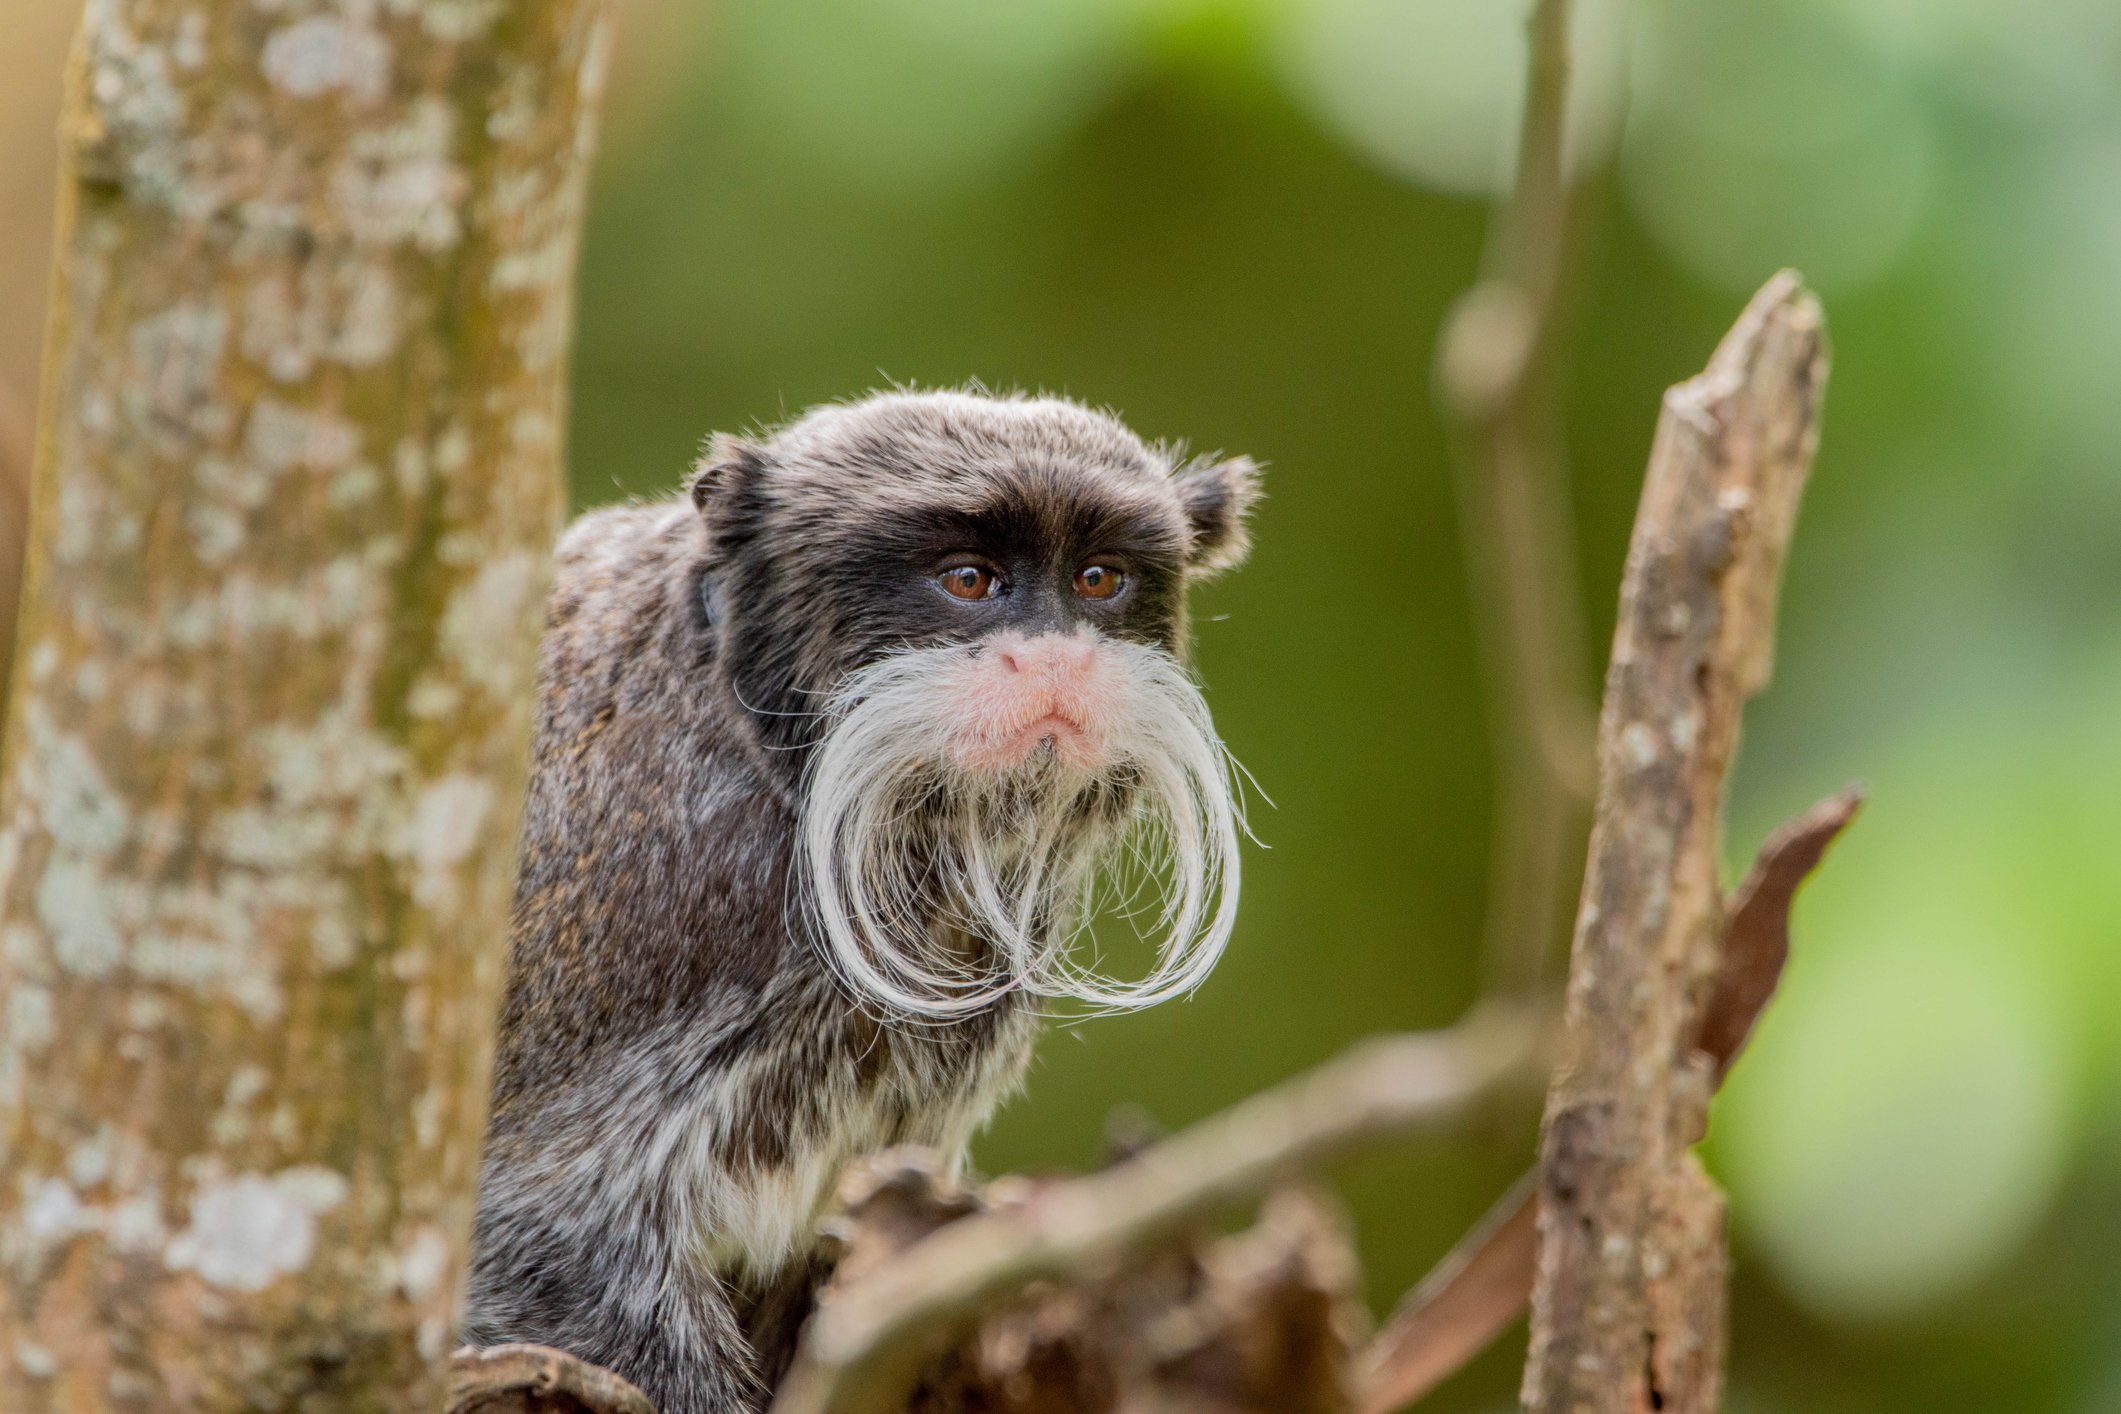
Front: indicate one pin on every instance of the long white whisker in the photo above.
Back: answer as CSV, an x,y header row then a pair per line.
x,y
935,890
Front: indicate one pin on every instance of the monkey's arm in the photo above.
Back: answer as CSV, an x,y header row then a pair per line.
x,y
580,1245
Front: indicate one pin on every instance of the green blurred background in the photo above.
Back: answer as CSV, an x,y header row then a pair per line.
x,y
1241,222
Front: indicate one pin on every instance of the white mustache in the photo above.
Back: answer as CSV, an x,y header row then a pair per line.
x,y
900,843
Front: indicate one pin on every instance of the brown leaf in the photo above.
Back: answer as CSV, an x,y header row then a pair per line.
x,y
1756,930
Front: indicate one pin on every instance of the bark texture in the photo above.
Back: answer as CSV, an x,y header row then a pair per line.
x,y
1627,1309
297,478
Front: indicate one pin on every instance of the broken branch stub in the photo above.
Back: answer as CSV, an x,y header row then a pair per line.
x,y
1628,1303
1483,1283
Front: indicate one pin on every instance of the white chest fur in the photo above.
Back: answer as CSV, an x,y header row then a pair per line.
x,y
750,1219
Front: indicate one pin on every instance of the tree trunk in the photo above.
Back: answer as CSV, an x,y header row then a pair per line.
x,y
297,478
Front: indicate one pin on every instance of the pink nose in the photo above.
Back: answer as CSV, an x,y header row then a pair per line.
x,y
1024,691
1047,655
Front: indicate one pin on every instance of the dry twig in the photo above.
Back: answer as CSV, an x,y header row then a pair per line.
x,y
863,1347
1459,1308
1756,937
1494,373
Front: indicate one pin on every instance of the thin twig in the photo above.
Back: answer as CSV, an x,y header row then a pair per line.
x,y
1494,373
862,1349
1474,1293
1459,1308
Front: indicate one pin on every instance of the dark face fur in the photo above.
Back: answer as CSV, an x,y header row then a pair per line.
x,y
829,540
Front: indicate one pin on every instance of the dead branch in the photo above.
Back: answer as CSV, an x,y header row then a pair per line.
x,y
1264,1321
863,1347
1628,1304
1459,1309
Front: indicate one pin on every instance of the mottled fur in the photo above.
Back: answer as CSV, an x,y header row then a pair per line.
x,y
680,1074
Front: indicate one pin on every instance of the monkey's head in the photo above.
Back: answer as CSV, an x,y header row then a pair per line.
x,y
964,616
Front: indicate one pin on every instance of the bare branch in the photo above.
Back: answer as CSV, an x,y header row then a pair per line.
x,y
1459,1308
1628,1307
1493,371
863,1346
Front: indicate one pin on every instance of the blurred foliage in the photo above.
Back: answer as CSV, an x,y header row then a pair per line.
x,y
1242,221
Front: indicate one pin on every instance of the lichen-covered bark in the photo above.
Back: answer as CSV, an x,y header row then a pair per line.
x,y
298,473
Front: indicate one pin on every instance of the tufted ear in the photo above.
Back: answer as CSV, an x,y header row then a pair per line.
x,y
1217,496
727,462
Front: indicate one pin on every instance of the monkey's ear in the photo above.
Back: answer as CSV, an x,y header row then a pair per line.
x,y
1217,496
728,461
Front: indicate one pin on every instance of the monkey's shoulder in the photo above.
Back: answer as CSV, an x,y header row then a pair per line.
x,y
621,578
652,869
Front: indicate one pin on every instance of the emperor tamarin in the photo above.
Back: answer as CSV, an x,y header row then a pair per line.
x,y
830,758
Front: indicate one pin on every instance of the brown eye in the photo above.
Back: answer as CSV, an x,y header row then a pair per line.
x,y
970,582
1098,581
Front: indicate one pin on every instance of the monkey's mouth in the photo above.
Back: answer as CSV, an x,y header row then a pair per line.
x,y
1052,728
1051,732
